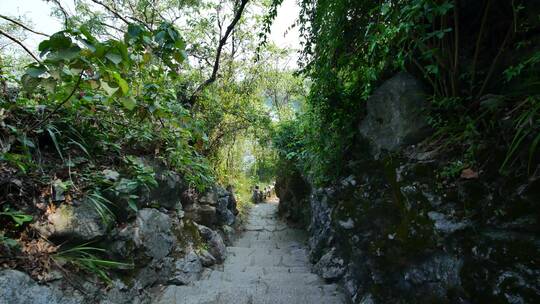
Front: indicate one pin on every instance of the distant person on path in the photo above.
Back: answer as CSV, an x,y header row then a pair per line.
x,y
256,197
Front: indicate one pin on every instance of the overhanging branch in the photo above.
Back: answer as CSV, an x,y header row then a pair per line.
x,y
22,25
221,44
20,44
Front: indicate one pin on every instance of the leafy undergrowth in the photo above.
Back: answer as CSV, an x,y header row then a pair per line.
x,y
77,132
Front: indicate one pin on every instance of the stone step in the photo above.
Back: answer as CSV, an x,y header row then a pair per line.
x,y
255,275
268,264
229,293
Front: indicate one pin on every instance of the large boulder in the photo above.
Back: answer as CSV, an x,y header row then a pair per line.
x,y
216,246
79,221
18,287
435,276
168,192
213,208
203,214
154,272
152,232
330,267
224,214
169,189
321,232
207,259
187,269
293,191
395,116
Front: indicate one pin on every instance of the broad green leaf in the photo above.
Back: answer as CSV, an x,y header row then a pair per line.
x,y
129,103
114,57
49,84
107,88
134,30
133,204
122,83
36,71
69,53
59,41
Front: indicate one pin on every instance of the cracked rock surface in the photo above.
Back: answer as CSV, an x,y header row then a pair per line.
x,y
267,264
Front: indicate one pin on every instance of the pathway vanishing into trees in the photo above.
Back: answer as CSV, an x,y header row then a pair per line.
x,y
268,264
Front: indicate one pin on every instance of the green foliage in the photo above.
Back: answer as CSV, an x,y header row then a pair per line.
x,y
88,258
527,126
350,47
9,242
102,206
17,216
452,170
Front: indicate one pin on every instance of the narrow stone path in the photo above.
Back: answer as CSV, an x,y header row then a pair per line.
x,y
268,265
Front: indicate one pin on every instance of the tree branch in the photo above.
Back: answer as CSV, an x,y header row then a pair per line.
x,y
21,44
23,26
59,105
221,44
63,10
112,11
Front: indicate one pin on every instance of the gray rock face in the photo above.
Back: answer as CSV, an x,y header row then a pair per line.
x,y
436,275
224,215
215,243
330,267
152,232
228,234
206,215
445,225
155,272
122,244
394,118
17,287
320,229
120,293
293,192
206,258
209,198
169,189
187,269
78,221
264,266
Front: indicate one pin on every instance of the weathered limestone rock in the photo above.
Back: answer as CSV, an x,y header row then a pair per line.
x,y
207,215
167,193
18,287
321,232
187,269
215,243
435,276
330,267
152,232
228,234
169,189
206,258
394,114
79,221
293,192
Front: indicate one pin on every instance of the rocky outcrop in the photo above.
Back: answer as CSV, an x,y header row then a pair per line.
x,y
79,221
18,287
293,192
395,231
216,246
152,233
395,116
169,235
187,269
214,208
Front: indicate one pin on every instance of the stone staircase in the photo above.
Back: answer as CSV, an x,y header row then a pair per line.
x,y
268,265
